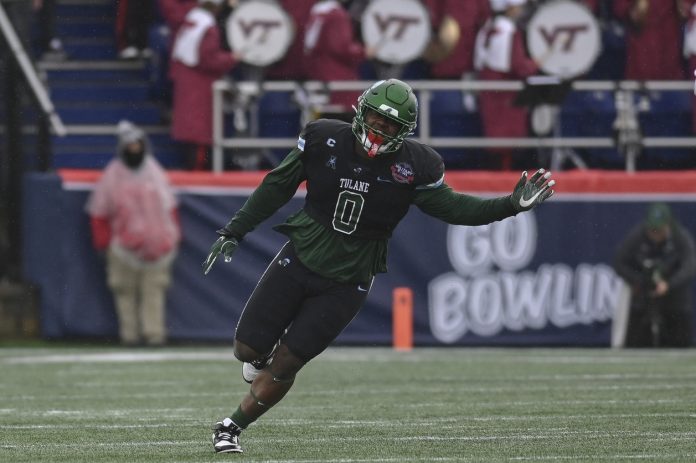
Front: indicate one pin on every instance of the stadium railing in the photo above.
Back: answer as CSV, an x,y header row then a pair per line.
x,y
425,89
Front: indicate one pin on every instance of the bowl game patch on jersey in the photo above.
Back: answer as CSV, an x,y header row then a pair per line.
x,y
402,172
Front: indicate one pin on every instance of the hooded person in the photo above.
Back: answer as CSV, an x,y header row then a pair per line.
x,y
133,145
134,221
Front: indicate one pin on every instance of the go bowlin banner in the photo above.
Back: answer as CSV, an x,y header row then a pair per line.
x,y
540,278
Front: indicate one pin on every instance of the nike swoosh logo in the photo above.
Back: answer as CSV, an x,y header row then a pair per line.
x,y
528,202
385,180
360,288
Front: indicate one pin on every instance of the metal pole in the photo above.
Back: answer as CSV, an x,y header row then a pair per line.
x,y
15,45
44,144
424,115
13,194
218,150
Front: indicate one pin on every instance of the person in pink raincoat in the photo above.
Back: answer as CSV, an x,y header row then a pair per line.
x,y
197,61
134,221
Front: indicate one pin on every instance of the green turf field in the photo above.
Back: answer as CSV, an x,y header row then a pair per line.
x,y
352,405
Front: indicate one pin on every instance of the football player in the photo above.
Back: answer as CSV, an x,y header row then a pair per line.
x,y
361,180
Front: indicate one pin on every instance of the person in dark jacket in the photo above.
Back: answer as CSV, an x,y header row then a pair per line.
x,y
657,259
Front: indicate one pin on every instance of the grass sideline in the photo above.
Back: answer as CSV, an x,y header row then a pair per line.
x,y
103,404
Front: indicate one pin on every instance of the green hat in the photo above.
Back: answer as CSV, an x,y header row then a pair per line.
x,y
658,215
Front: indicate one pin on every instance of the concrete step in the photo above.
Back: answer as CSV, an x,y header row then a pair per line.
x,y
109,70
93,146
71,9
140,113
99,91
107,140
90,26
85,159
89,48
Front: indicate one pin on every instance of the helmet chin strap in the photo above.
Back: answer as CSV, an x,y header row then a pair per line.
x,y
372,143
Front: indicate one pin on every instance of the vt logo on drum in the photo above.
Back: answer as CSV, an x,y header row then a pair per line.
x,y
569,32
248,28
401,22
564,37
398,29
260,32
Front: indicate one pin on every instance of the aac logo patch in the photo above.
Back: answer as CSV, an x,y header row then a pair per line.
x,y
402,172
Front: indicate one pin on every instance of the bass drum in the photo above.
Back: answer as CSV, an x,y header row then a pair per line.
x,y
260,31
399,30
564,36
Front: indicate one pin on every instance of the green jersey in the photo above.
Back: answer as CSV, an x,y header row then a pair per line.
x,y
354,203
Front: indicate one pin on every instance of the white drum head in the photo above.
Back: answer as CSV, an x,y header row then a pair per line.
x,y
398,29
566,36
260,31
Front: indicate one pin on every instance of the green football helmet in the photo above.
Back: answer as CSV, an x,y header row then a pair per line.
x,y
394,100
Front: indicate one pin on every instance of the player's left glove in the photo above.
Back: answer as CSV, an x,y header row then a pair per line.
x,y
225,245
529,193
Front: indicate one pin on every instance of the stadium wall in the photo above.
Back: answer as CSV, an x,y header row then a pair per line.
x,y
541,278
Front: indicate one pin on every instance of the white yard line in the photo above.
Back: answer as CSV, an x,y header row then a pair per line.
x,y
121,357
604,377
629,457
93,426
591,434
344,354
372,391
586,434
460,422
356,460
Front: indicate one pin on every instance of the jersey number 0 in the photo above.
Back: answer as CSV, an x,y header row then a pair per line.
x,y
349,206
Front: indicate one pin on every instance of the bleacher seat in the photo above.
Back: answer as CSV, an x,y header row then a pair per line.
x,y
95,151
669,116
83,113
279,115
591,114
99,91
449,118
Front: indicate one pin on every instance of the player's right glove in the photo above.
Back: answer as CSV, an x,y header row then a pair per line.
x,y
225,245
530,193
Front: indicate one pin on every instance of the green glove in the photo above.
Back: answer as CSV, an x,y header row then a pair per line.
x,y
225,245
530,193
